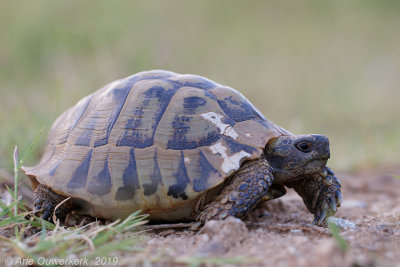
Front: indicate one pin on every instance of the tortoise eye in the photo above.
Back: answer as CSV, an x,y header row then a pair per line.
x,y
304,147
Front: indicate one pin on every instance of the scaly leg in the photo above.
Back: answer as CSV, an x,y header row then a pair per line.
x,y
247,187
321,194
46,200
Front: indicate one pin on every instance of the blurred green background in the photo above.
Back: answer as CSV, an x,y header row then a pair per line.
x,y
329,67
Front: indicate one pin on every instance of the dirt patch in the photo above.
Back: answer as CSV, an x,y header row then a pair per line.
x,y
278,232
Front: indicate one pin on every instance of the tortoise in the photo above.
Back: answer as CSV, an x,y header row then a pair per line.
x,y
179,148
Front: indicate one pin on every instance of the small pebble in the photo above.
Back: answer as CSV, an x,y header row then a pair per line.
x,y
166,233
342,223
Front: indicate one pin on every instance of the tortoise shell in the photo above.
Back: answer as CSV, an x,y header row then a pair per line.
x,y
155,141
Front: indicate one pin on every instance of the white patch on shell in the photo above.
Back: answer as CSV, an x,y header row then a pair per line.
x,y
248,135
232,162
187,160
224,128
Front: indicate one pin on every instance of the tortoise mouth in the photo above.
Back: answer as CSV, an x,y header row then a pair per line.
x,y
316,165
320,159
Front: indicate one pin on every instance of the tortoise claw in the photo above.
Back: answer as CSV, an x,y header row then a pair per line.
x,y
319,219
322,216
316,219
339,197
332,204
37,202
46,215
329,170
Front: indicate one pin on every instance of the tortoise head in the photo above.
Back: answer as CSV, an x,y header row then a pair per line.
x,y
294,156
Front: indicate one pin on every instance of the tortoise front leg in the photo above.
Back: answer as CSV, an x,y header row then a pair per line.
x,y
46,200
321,194
246,188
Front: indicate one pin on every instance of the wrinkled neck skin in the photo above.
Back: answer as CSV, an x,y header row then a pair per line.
x,y
297,157
283,177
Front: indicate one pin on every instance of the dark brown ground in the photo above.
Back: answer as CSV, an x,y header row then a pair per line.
x,y
278,232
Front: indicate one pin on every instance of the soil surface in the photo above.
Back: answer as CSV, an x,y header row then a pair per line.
x,y
279,233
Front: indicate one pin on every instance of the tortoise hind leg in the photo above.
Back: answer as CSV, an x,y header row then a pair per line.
x,y
246,188
46,200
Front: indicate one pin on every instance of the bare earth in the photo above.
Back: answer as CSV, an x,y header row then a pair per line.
x,y
278,232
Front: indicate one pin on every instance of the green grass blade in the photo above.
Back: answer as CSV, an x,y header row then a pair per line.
x,y
29,150
343,245
5,210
